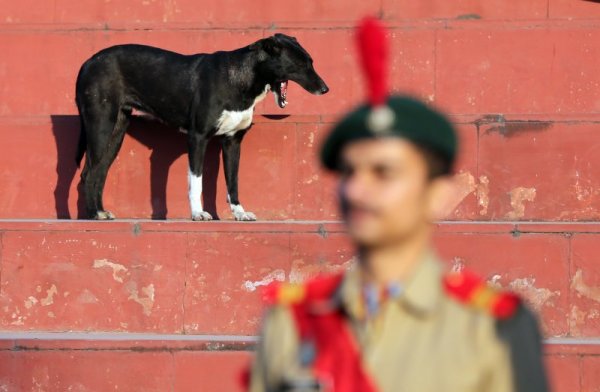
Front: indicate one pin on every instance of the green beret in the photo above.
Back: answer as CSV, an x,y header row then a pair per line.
x,y
402,117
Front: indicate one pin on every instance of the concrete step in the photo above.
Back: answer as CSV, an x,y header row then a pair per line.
x,y
510,168
130,362
205,278
230,14
92,365
461,66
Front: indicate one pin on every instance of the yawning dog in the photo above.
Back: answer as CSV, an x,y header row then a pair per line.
x,y
204,95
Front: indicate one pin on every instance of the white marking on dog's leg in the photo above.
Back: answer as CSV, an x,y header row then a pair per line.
x,y
195,196
239,213
195,192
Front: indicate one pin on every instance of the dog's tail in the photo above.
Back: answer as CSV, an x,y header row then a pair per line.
x,y
81,146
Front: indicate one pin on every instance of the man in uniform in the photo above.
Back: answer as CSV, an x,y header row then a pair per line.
x,y
397,321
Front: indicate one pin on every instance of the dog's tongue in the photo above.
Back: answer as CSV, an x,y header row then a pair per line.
x,y
283,94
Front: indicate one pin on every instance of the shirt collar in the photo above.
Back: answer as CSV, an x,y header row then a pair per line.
x,y
422,290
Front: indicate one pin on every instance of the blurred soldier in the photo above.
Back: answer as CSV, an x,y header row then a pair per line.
x,y
398,321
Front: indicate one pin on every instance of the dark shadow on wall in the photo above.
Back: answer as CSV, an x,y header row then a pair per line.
x,y
166,144
66,136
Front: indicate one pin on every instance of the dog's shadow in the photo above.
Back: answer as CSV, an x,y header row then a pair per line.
x,y
166,144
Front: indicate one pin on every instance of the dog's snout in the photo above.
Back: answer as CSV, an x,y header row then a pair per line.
x,y
324,89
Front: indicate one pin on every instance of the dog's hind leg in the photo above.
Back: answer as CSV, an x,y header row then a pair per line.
x,y
197,150
105,133
231,163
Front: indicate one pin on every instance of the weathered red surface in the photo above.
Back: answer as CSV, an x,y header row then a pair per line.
x,y
590,369
541,170
533,162
90,370
510,70
519,78
210,14
585,286
564,372
573,9
279,177
465,9
205,278
448,66
85,366
229,13
509,169
537,266
28,90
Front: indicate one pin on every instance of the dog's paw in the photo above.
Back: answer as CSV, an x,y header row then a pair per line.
x,y
240,214
104,215
201,216
244,216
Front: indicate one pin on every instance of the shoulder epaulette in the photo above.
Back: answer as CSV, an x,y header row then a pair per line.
x,y
470,289
280,293
314,290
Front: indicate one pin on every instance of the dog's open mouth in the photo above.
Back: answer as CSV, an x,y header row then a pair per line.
x,y
280,92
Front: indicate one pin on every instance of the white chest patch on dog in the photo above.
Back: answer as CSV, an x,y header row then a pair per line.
x,y
230,122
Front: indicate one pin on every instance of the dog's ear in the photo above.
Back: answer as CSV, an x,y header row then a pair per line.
x,y
271,45
280,36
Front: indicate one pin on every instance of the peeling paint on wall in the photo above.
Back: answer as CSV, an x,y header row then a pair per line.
x,y
276,275
301,271
49,300
87,297
518,196
29,302
117,268
583,289
578,318
537,297
458,264
465,184
483,194
147,302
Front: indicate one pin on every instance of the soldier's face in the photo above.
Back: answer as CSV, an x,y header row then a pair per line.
x,y
385,192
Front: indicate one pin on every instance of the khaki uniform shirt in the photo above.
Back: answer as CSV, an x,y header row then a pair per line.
x,y
421,341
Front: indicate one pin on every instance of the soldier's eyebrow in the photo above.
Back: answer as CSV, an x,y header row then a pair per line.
x,y
384,162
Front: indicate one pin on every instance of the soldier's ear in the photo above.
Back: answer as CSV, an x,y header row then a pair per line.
x,y
442,197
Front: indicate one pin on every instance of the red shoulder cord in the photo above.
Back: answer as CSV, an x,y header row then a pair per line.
x,y
338,364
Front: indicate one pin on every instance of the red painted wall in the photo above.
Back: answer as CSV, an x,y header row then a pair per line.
x,y
519,78
533,62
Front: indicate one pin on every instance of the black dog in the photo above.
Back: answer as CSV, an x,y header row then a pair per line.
x,y
203,95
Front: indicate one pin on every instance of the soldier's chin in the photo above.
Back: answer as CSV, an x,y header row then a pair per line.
x,y
364,235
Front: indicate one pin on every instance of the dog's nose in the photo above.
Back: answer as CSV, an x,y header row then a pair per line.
x,y
324,89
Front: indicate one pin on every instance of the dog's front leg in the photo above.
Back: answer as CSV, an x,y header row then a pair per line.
x,y
231,163
197,150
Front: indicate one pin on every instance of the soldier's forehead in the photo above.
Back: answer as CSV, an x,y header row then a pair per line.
x,y
378,150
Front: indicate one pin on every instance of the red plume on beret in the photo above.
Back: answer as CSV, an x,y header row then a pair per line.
x,y
373,53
